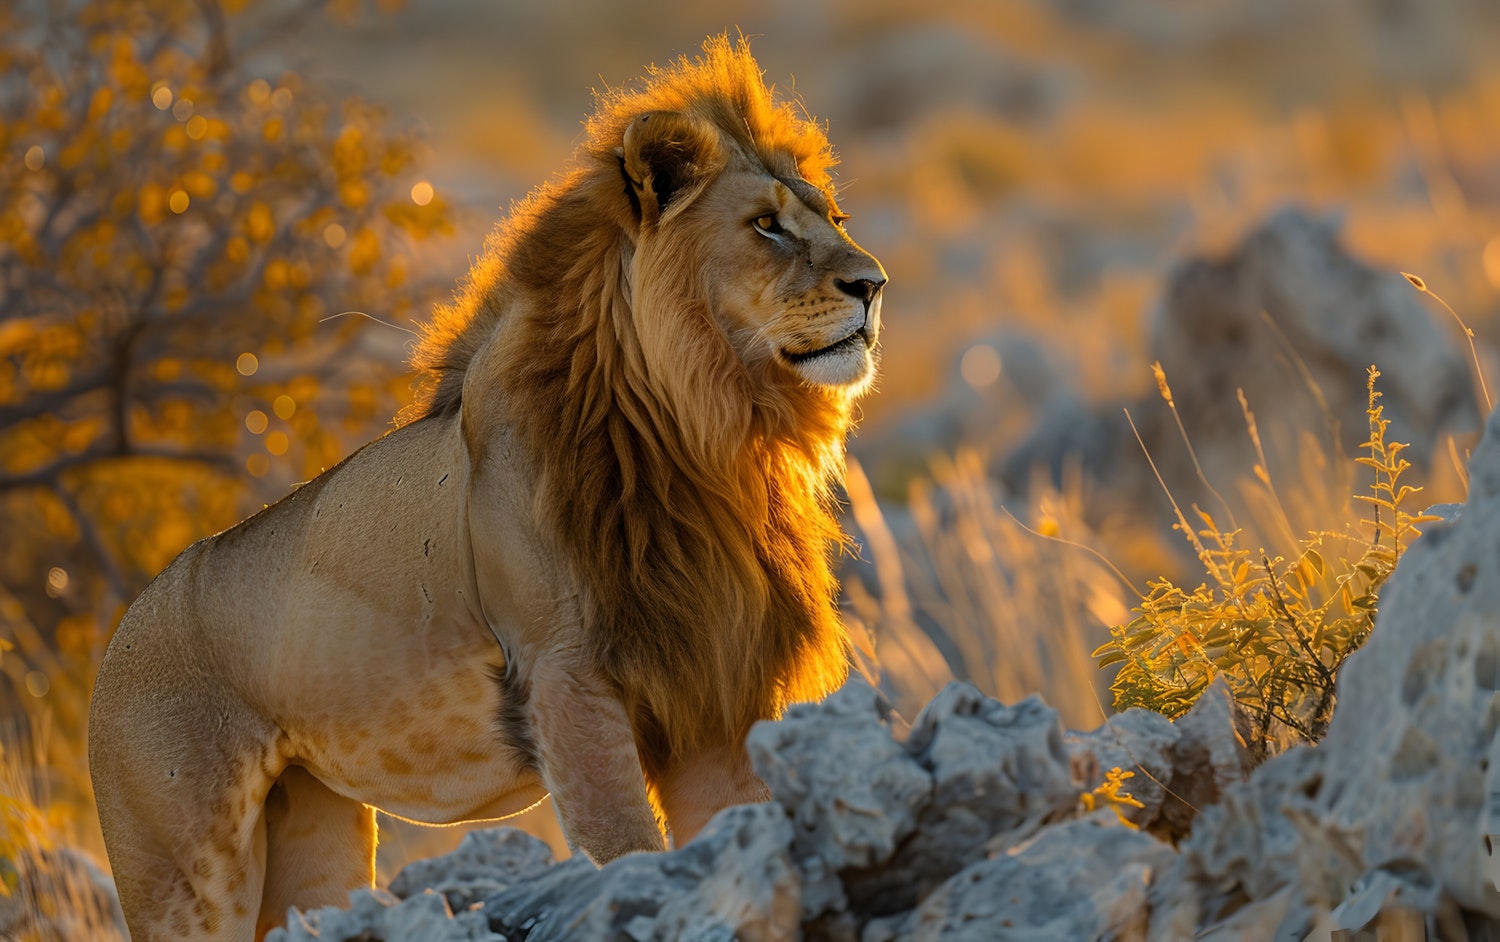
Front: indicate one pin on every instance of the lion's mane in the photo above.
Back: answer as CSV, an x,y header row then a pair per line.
x,y
689,491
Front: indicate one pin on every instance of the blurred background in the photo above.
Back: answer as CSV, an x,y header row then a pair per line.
x,y
201,201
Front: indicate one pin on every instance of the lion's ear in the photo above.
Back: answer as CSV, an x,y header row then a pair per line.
x,y
667,157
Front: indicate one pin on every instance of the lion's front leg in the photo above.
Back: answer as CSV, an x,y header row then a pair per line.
x,y
696,787
586,749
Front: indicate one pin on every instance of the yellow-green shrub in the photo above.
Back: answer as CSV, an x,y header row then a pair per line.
x,y
1275,629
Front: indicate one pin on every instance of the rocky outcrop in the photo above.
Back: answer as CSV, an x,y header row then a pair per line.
x,y
971,825
1293,320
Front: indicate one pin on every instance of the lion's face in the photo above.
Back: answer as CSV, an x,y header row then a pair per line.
x,y
789,288
792,288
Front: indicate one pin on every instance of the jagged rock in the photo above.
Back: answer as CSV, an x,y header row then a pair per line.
x,y
1207,758
1177,767
484,863
996,770
1412,753
1079,880
1137,740
736,880
852,792
377,914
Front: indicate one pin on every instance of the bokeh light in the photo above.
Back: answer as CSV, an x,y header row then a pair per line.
x,y
247,364
980,365
57,581
256,421
37,684
421,193
284,406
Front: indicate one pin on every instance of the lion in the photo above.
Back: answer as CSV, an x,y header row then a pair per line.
x,y
591,555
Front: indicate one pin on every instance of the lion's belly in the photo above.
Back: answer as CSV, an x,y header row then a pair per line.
x,y
422,745
435,778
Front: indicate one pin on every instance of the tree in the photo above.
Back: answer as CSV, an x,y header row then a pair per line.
x,y
175,230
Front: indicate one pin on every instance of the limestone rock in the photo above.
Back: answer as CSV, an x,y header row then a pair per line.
x,y
1083,879
1412,750
998,772
1138,741
736,880
484,863
1207,759
377,914
852,792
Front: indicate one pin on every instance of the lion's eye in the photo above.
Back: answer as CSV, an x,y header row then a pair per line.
x,y
767,225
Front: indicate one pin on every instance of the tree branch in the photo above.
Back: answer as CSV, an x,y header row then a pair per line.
x,y
50,475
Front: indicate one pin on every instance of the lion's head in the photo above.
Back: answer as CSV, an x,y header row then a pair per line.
x,y
677,329
784,282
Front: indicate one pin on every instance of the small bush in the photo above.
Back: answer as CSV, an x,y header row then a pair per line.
x,y
1276,629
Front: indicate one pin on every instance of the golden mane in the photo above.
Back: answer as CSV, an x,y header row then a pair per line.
x,y
723,86
694,502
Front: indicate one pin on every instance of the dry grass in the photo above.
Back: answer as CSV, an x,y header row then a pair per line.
x,y
964,590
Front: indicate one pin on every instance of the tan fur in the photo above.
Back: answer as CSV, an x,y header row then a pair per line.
x,y
589,558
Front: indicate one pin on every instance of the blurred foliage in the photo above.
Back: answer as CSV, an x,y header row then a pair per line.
x,y
1277,630
175,228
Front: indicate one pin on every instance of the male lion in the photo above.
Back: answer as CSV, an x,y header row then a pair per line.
x,y
618,468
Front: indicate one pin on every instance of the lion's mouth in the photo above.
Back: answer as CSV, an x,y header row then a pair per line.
x,y
860,338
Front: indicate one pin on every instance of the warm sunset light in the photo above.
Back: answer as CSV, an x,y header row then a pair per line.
x,y
1143,432
1492,261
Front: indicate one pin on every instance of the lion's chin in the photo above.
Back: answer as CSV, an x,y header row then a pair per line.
x,y
845,365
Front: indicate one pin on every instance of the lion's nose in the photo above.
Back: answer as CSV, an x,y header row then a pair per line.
x,y
863,288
